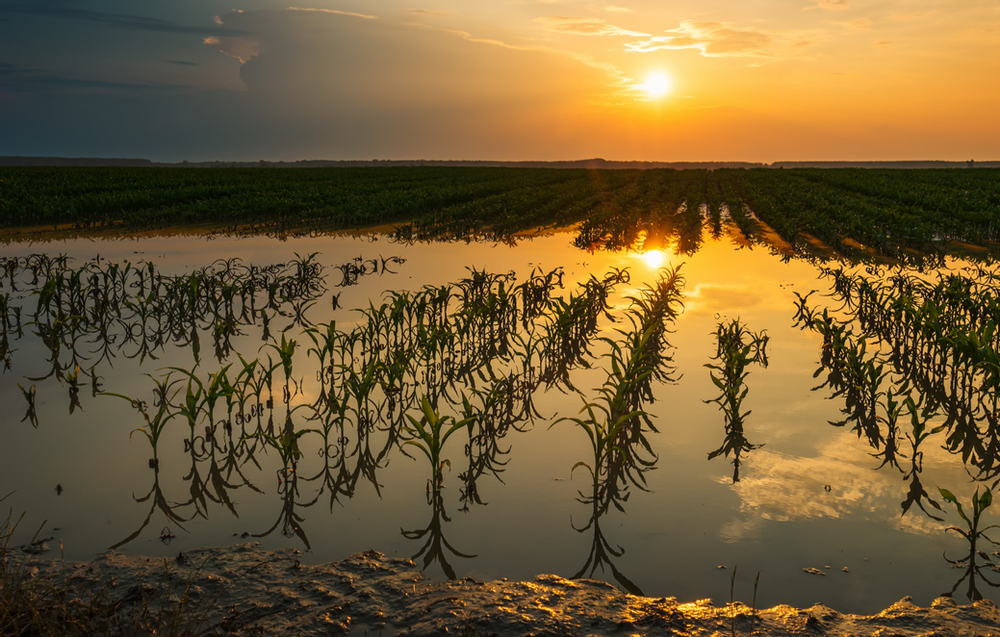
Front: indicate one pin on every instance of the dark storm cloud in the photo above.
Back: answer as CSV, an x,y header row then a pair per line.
x,y
315,84
117,20
21,80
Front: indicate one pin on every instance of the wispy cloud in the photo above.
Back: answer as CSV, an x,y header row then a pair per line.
x,y
181,63
236,44
785,488
335,11
612,71
429,12
28,80
883,44
861,24
240,48
832,5
713,39
611,8
117,20
584,26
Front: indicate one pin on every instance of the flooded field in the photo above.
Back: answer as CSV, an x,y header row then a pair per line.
x,y
666,417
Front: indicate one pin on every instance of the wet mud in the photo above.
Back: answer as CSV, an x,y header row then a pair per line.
x,y
246,590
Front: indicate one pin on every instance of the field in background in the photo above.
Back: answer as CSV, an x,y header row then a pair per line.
x,y
891,212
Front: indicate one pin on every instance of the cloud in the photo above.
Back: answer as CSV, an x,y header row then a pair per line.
x,y
711,298
713,39
335,11
782,488
861,24
237,45
27,80
832,5
883,43
616,9
334,85
429,12
243,49
610,69
584,26
121,21
181,62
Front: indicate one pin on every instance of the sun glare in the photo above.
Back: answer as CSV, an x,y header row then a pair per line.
x,y
657,85
653,258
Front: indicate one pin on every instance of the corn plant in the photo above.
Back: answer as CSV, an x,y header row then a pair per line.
x,y
156,423
430,433
973,533
29,395
736,349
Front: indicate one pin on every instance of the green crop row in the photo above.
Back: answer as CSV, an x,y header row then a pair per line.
x,y
883,209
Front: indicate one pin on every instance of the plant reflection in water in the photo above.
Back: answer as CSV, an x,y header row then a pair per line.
x,y
906,345
616,421
736,349
486,356
910,357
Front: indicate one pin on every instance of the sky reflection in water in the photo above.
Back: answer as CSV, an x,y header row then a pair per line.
x,y
808,498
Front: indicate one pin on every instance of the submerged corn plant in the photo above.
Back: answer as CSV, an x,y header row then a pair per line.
x,y
479,347
974,533
430,433
29,395
613,423
736,349
156,423
134,310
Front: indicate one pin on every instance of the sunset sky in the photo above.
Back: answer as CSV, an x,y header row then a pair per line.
x,y
757,80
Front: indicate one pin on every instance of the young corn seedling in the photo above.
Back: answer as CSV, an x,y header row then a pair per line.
x,y
431,432
737,348
156,423
973,533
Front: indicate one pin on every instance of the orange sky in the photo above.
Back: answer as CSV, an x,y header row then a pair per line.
x,y
762,80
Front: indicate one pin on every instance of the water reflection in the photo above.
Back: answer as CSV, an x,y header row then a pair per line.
x,y
158,502
436,548
102,309
617,422
975,533
479,349
736,348
914,356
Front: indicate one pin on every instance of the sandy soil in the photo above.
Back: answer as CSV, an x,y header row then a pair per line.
x,y
246,590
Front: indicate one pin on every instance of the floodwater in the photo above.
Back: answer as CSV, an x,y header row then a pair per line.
x,y
809,495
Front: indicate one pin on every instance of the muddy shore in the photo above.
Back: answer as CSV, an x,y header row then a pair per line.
x,y
246,590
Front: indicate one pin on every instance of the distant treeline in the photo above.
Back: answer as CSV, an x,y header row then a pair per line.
x,y
883,209
577,163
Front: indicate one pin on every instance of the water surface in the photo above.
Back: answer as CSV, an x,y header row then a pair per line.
x,y
809,497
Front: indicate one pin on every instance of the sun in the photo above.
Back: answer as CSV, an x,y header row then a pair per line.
x,y
657,84
653,258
